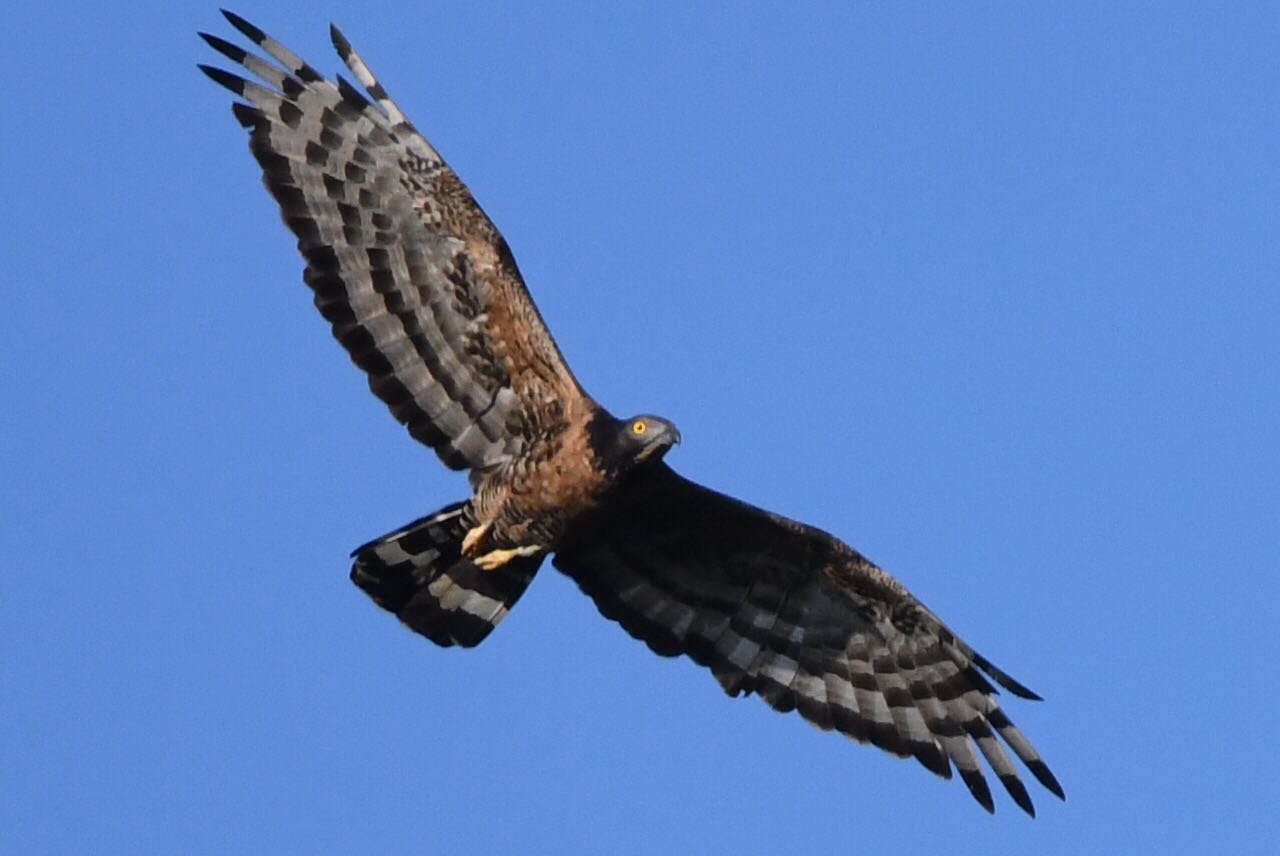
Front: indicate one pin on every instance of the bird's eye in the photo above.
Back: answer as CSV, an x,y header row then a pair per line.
x,y
639,427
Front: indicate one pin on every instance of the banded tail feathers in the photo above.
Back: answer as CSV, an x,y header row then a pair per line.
x,y
418,573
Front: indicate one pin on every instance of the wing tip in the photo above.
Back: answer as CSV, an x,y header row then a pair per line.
x,y
1045,776
1005,680
933,758
978,788
250,31
1018,792
984,798
224,78
340,42
231,51
1016,688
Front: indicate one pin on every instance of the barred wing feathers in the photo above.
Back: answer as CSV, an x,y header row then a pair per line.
x,y
418,285
784,610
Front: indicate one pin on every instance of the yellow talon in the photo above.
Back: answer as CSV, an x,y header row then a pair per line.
x,y
472,538
495,559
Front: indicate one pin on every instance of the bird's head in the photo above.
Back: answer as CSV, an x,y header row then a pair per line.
x,y
648,437
627,443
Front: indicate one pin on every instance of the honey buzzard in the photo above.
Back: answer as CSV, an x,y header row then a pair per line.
x,y
424,294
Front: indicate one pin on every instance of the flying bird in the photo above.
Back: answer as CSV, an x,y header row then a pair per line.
x,y
424,294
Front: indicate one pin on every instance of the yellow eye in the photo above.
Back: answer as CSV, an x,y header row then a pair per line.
x,y
639,427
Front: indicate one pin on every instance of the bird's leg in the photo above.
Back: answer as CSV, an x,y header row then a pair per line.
x,y
473,538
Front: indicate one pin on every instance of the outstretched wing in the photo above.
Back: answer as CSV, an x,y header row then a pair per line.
x,y
789,612
419,286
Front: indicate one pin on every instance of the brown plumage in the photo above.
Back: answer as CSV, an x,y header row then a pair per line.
x,y
424,294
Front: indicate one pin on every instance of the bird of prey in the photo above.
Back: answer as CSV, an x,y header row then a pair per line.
x,y
424,294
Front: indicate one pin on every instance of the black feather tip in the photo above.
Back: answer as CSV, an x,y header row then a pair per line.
x,y
252,32
225,78
340,43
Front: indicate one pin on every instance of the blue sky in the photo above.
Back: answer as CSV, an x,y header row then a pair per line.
x,y
989,292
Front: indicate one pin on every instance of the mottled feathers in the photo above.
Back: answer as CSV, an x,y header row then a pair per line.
x,y
789,612
417,284
424,294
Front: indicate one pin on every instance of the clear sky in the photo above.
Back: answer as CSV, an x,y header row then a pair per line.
x,y
993,293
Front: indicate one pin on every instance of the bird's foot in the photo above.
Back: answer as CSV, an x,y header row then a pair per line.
x,y
472,538
495,559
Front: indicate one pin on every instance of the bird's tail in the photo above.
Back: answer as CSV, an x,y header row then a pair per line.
x,y
418,573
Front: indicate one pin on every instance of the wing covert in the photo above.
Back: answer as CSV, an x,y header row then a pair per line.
x,y
416,282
